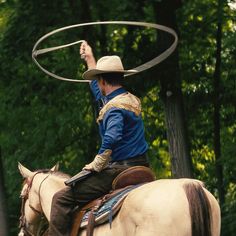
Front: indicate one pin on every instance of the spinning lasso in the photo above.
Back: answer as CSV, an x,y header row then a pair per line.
x,y
145,66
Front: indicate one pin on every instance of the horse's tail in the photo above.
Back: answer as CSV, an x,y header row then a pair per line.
x,y
200,209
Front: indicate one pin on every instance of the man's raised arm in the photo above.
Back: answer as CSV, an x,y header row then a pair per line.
x,y
87,54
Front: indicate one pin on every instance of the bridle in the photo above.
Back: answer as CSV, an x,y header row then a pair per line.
x,y
24,197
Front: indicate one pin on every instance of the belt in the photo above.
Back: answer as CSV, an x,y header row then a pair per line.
x,y
140,160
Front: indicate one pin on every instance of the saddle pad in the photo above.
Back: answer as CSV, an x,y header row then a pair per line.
x,y
109,208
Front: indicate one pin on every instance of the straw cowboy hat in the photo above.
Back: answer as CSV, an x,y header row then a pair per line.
x,y
107,64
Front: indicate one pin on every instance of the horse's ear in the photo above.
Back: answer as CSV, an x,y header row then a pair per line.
x,y
55,168
26,173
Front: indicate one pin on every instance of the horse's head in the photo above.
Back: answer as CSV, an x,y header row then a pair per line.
x,y
31,209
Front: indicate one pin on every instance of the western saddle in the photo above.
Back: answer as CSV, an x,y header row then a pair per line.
x,y
133,176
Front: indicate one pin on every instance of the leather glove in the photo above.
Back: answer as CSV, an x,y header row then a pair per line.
x,y
100,161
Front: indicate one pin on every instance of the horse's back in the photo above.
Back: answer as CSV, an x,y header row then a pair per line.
x,y
162,208
158,208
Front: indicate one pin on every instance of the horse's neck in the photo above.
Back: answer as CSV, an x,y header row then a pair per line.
x,y
47,191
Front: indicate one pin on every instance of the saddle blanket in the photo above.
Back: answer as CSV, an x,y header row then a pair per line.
x,y
109,208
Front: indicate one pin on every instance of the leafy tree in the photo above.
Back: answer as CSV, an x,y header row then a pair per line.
x,y
44,121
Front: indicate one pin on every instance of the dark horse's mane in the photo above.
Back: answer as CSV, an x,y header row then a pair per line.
x,y
199,208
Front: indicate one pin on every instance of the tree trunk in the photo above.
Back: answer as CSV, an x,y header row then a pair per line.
x,y
181,163
3,215
216,118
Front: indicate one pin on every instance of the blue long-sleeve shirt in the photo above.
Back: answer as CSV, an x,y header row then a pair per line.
x,y
121,130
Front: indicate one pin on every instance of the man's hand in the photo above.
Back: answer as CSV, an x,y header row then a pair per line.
x,y
99,162
86,53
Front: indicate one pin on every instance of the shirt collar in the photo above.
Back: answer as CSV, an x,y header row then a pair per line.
x,y
115,93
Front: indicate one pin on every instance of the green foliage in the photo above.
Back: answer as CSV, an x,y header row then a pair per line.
x,y
44,121
158,150
197,50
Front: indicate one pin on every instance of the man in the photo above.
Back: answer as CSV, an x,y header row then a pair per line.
x,y
123,142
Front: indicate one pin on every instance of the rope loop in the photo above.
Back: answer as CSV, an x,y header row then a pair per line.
x,y
138,69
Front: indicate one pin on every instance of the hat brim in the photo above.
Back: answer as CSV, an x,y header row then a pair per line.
x,y
91,74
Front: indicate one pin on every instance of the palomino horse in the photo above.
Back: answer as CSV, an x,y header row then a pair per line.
x,y
170,207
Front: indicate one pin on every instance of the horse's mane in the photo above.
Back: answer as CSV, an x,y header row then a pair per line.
x,y
60,174
54,173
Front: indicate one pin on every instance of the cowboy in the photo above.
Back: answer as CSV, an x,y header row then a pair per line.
x,y
123,142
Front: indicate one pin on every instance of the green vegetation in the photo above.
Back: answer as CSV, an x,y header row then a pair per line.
x,y
44,121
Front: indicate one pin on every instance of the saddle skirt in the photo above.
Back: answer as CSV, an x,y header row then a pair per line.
x,y
109,208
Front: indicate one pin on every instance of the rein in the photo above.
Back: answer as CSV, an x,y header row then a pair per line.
x,y
24,197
